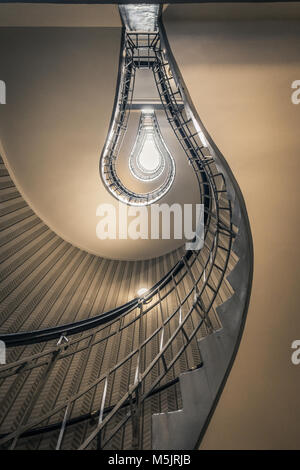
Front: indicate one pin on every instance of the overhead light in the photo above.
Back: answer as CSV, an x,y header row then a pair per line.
x,y
149,158
142,291
148,110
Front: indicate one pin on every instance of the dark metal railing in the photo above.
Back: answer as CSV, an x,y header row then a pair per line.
x,y
140,51
183,303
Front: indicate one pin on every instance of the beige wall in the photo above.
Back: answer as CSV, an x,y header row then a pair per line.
x,y
32,14
239,75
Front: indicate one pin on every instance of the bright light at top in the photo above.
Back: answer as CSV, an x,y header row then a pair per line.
x,y
148,110
149,157
142,291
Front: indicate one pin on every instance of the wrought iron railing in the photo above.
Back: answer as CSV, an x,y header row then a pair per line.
x,y
139,51
199,299
182,307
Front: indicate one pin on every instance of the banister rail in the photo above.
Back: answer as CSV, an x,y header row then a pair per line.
x,y
183,302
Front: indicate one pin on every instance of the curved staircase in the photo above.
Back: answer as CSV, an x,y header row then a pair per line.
x,y
90,365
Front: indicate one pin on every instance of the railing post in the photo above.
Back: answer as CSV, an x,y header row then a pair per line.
x,y
36,395
136,415
101,411
63,427
135,403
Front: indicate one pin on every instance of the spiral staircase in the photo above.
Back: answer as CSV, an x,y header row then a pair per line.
x,y
98,367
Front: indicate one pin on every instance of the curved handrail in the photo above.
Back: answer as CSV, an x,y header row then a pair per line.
x,y
69,329
225,210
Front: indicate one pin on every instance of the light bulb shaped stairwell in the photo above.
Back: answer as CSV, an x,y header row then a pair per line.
x,y
150,156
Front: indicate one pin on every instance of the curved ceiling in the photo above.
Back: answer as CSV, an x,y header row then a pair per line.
x,y
46,14
60,91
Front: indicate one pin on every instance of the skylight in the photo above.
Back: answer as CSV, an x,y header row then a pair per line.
x,y
149,158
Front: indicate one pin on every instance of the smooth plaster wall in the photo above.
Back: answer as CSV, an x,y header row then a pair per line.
x,y
46,14
239,75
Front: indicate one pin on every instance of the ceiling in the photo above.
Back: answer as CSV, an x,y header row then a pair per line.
x,y
107,15
28,14
231,11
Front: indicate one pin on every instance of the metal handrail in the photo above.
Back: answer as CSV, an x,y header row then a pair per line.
x,y
200,298
70,329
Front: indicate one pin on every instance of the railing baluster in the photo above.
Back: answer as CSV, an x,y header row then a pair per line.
x,y
161,339
62,429
35,396
163,336
100,419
